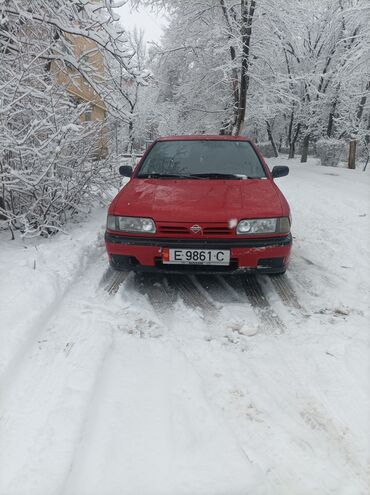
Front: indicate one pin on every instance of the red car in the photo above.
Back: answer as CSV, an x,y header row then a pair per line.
x,y
200,204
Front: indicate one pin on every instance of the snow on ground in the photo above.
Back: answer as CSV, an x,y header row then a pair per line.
x,y
191,385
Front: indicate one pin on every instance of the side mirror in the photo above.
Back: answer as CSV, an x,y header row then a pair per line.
x,y
280,171
125,170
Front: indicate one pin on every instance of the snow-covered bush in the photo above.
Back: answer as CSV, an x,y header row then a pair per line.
x,y
330,151
49,169
53,154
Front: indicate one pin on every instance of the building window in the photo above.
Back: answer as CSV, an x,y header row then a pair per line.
x,y
88,114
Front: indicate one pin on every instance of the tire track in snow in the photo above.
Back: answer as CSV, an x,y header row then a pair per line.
x,y
112,280
41,410
33,336
85,415
156,288
279,290
216,287
258,300
286,292
229,324
217,300
221,291
163,292
192,295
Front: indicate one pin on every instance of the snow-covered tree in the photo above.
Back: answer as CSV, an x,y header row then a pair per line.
x,y
291,72
129,87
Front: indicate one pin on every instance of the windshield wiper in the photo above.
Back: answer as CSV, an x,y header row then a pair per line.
x,y
207,175
167,176
224,176
210,175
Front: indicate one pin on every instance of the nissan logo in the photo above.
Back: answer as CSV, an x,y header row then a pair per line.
x,y
196,229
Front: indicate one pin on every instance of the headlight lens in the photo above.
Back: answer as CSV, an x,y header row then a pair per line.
x,y
264,226
131,224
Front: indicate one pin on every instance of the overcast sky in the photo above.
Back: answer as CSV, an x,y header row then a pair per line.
x,y
145,19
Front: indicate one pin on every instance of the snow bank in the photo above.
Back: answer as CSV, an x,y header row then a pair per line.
x,y
35,274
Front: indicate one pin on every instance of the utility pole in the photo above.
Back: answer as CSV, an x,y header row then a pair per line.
x,y
352,154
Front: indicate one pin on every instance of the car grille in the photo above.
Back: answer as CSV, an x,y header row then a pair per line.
x,y
170,229
185,230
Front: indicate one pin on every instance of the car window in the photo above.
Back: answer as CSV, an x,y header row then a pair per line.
x,y
184,158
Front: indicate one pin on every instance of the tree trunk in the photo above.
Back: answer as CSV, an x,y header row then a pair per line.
x,y
333,111
271,139
290,128
280,144
293,142
352,154
2,207
367,141
130,136
330,129
353,143
246,34
305,144
228,127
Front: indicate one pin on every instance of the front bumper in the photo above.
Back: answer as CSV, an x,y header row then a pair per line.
x,y
265,255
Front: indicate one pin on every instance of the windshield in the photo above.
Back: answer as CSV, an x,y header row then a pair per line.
x,y
202,159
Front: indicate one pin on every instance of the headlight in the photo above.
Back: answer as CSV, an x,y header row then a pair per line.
x,y
131,224
264,226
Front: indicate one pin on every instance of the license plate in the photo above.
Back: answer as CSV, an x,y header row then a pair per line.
x,y
195,257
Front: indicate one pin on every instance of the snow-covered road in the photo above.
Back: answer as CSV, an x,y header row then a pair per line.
x,y
154,385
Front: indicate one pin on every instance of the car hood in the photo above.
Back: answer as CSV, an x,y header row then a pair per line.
x,y
198,200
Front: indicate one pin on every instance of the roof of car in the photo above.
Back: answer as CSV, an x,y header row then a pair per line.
x,y
204,137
